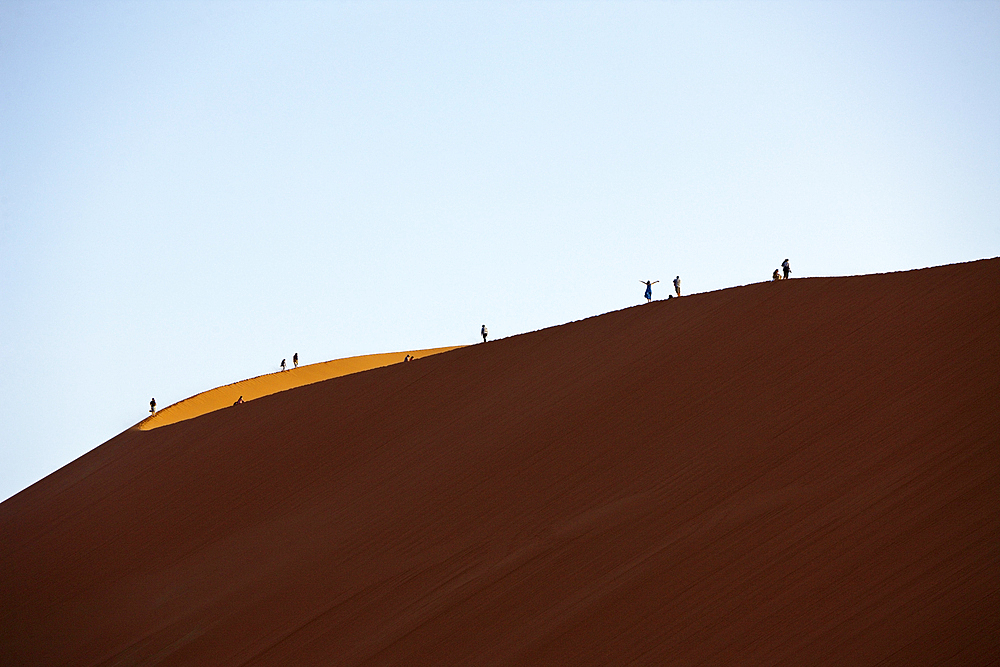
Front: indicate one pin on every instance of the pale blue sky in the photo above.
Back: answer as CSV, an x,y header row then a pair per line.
x,y
190,192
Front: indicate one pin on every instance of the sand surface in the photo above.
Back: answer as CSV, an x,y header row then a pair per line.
x,y
272,383
793,473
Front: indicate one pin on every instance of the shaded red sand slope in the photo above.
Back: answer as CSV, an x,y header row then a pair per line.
x,y
791,473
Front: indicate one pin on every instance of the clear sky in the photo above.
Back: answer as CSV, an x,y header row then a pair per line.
x,y
192,191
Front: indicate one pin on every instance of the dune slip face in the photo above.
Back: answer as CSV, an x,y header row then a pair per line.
x,y
804,472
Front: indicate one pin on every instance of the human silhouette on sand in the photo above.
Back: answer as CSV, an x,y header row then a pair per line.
x,y
295,359
484,332
239,401
649,289
786,269
677,285
282,364
152,406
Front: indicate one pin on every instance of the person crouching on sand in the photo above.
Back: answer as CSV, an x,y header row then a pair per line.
x,y
239,401
775,276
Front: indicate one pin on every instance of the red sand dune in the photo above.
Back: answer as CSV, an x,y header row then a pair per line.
x,y
796,473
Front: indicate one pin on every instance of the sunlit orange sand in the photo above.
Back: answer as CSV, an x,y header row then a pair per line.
x,y
272,383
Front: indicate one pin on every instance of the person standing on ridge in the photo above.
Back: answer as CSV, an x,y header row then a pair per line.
x,y
152,406
677,285
785,268
484,332
649,289
282,364
295,360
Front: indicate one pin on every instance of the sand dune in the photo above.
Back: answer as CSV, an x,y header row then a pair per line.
x,y
272,383
794,473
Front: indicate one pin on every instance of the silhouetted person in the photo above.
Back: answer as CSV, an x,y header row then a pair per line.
x,y
649,289
295,359
786,269
775,276
282,364
152,406
484,332
239,401
677,285
406,358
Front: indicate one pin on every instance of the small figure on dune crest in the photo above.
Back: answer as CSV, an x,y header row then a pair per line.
x,y
484,332
649,289
152,406
677,285
282,364
295,359
785,268
775,276
406,358
239,401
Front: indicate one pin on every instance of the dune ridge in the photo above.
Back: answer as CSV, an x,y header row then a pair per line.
x,y
271,383
796,473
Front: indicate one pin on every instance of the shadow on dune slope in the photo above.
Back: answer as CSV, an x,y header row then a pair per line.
x,y
783,473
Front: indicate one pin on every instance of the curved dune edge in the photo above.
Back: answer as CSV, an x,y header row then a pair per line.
x,y
272,383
